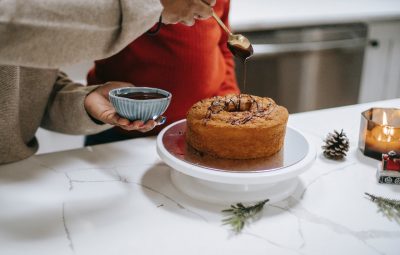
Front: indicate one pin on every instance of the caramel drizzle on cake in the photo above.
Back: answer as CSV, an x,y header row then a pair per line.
x,y
248,107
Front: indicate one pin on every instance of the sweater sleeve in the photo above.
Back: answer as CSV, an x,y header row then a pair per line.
x,y
65,111
54,33
229,85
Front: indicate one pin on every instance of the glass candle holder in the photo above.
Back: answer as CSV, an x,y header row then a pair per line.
x,y
379,131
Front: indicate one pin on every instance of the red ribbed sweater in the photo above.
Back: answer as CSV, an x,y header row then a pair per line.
x,y
192,63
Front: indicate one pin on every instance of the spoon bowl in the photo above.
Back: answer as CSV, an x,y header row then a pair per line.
x,y
238,44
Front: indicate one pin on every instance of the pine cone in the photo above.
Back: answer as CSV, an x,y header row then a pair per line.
x,y
336,145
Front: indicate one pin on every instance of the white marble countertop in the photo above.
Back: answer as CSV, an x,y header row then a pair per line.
x,y
118,199
266,14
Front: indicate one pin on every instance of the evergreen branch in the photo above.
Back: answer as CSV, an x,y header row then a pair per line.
x,y
239,214
388,207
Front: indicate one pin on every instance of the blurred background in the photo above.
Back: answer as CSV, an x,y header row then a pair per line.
x,y
308,55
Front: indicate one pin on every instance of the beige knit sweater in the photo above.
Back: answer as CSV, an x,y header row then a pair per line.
x,y
38,36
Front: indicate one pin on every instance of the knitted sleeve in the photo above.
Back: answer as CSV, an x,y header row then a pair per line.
x,y
50,34
229,85
65,110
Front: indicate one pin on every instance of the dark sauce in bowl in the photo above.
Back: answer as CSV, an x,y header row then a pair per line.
x,y
142,95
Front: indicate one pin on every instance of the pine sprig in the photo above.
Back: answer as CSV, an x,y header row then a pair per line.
x,y
388,207
239,214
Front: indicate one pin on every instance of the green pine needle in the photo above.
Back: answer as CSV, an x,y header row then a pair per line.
x,y
239,214
388,207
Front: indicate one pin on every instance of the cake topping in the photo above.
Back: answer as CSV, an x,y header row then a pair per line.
x,y
246,105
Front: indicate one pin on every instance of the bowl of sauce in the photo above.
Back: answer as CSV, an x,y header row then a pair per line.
x,y
140,103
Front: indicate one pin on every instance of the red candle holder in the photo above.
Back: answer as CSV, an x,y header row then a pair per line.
x,y
379,132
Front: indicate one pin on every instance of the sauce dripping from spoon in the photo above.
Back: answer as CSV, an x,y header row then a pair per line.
x,y
239,45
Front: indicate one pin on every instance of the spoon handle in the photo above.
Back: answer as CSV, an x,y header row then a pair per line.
x,y
221,23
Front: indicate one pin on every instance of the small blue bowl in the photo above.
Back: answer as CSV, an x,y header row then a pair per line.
x,y
139,109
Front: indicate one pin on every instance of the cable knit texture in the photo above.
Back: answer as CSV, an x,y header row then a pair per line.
x,y
49,33
36,37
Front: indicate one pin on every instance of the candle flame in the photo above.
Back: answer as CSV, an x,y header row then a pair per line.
x,y
384,119
388,131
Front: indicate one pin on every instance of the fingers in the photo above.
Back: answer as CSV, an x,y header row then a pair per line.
x,y
209,2
140,126
204,9
149,125
122,122
199,17
114,119
188,22
110,117
186,11
134,125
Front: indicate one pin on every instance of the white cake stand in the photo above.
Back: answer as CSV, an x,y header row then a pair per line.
x,y
229,181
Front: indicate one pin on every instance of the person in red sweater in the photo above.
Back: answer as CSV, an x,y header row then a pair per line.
x,y
192,63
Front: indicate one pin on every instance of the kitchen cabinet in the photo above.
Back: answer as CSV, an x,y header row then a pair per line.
x,y
381,70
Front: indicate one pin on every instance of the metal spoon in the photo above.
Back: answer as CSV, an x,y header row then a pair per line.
x,y
239,45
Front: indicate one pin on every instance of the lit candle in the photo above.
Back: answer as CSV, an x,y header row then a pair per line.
x,y
383,138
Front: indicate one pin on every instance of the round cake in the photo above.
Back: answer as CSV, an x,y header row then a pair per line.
x,y
237,126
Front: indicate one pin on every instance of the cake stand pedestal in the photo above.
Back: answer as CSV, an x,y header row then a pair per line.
x,y
223,193
230,181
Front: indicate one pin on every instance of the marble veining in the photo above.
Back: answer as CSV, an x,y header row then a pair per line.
x,y
67,234
325,174
362,236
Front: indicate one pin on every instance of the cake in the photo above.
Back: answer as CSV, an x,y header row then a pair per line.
x,y
237,126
